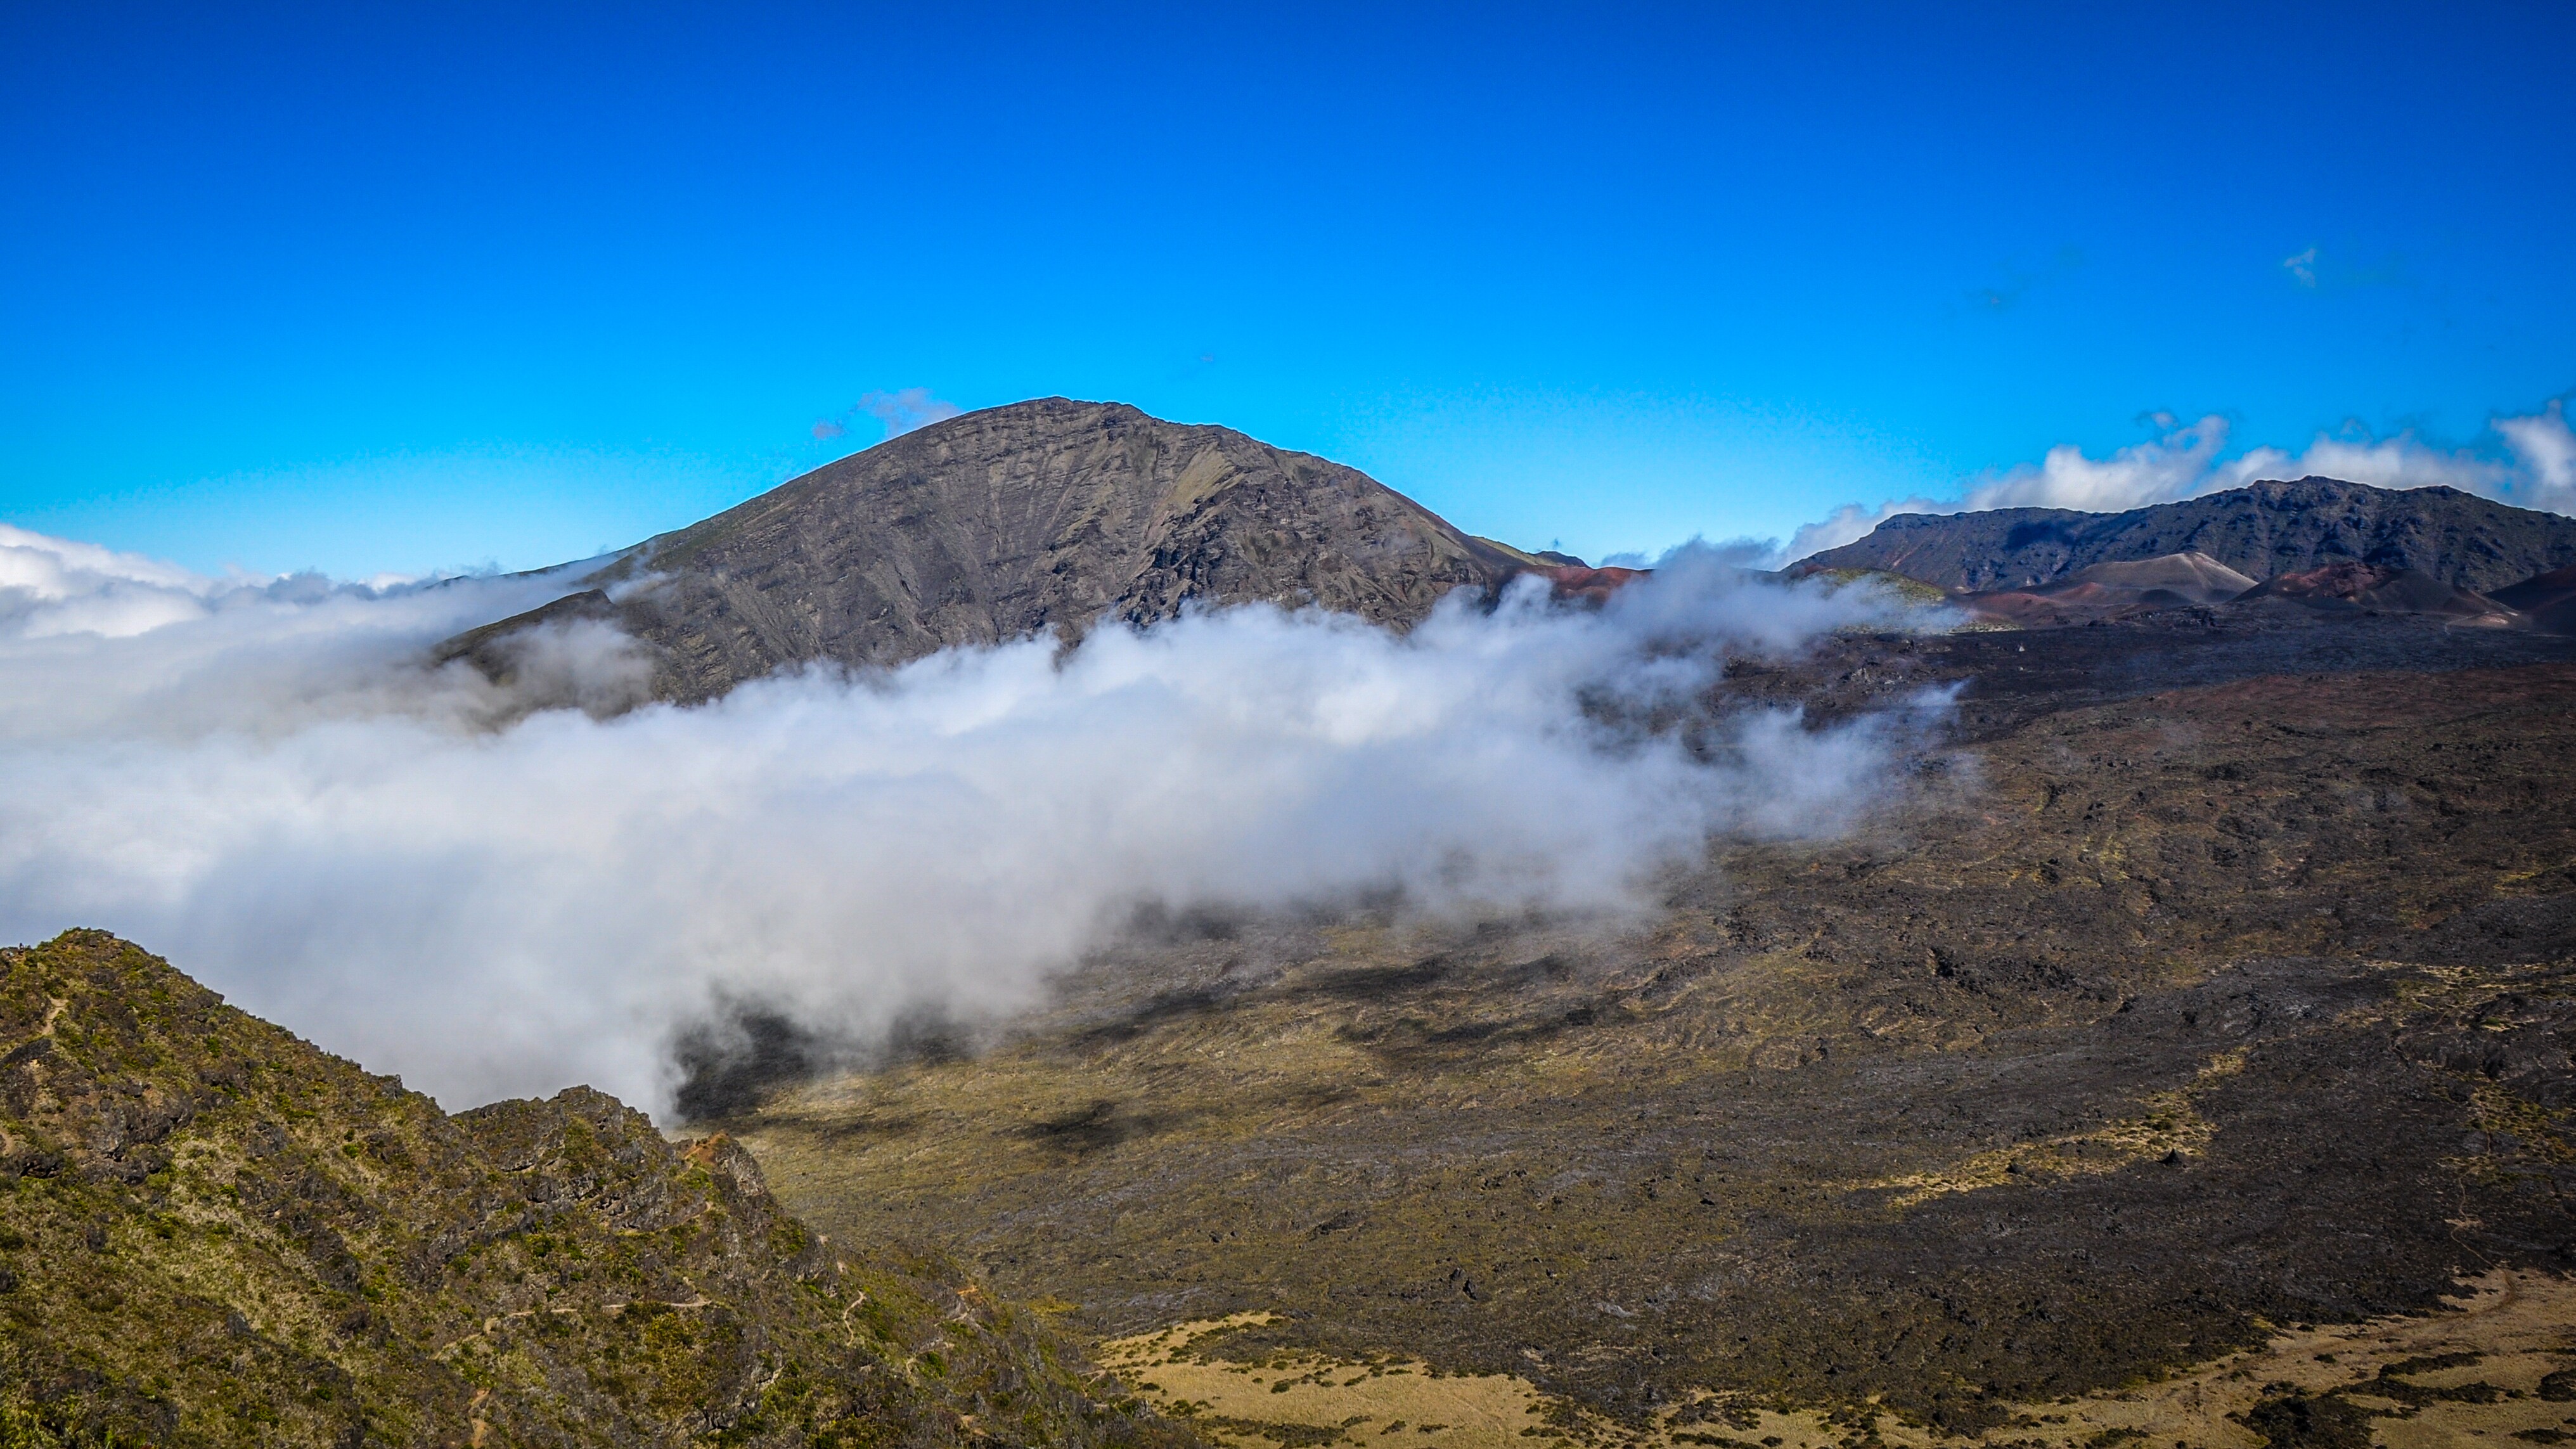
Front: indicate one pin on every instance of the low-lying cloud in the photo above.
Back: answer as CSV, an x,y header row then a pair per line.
x,y
2536,469
265,782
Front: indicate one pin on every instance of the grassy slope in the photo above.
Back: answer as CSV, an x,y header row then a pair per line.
x,y
213,1233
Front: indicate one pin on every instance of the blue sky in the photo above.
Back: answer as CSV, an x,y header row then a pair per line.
x,y
384,288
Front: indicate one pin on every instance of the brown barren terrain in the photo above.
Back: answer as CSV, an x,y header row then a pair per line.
x,y
2152,1019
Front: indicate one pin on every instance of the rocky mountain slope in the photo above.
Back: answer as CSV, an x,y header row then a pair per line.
x,y
2259,530
1036,517
213,1234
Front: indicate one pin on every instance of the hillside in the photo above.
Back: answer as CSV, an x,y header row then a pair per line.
x,y
1040,516
213,1234
2548,600
2259,530
2361,586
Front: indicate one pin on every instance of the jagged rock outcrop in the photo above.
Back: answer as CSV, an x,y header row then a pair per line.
x,y
1038,517
2259,530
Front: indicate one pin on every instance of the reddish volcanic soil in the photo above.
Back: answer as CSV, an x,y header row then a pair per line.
x,y
2377,586
1573,581
2058,607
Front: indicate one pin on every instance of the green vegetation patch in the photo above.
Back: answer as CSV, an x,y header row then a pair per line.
x,y
212,1233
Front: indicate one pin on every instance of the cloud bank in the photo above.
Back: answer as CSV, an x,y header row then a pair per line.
x,y
2537,470
269,787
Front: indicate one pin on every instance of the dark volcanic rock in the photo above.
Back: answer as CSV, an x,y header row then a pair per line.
x,y
2260,530
1041,516
2549,600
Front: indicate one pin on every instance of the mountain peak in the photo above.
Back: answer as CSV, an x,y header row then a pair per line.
x,y
1038,517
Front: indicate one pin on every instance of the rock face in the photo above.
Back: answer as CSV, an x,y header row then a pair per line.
x,y
213,1234
2260,530
1039,517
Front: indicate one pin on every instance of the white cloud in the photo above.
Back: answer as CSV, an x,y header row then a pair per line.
x,y
899,412
2546,448
56,586
2172,466
1849,524
403,866
95,644
906,409
2537,469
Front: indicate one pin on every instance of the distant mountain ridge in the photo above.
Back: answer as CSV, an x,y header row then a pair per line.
x,y
1039,516
2261,530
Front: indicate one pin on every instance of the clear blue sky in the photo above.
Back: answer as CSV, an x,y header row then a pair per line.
x,y
390,288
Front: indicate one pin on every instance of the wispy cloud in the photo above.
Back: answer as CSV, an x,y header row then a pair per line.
x,y
2336,269
2533,465
899,412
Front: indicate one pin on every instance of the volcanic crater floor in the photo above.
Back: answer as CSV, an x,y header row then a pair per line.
x,y
2167,1038
2492,1365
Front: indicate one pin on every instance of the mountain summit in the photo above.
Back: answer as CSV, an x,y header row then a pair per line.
x,y
1040,516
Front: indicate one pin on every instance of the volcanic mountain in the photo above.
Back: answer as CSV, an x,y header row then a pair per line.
x,y
2259,530
2182,578
1042,516
2111,590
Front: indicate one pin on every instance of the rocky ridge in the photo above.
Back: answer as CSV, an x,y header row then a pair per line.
x,y
2259,530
